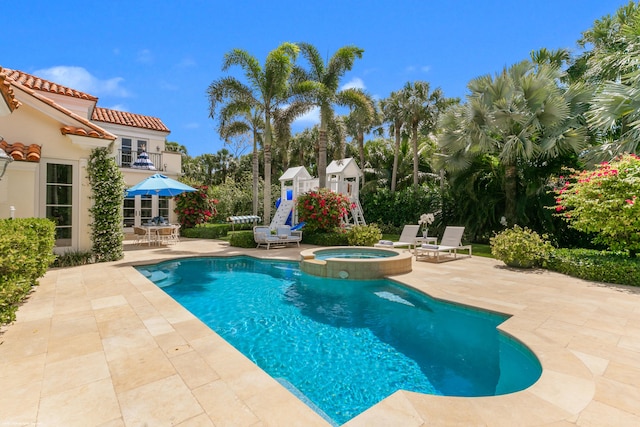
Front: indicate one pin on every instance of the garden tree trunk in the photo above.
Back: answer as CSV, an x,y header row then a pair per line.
x,y
255,173
414,143
322,158
510,193
396,154
267,168
361,150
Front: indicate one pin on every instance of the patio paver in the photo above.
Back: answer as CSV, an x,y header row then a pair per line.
x,y
100,345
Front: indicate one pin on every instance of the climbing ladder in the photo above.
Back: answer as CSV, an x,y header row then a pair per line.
x,y
356,216
356,212
282,213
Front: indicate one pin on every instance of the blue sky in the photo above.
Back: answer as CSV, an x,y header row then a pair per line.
x,y
158,57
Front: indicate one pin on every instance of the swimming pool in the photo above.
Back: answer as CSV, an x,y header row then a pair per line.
x,y
342,346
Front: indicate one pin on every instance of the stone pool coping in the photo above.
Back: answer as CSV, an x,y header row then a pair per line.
x,y
102,345
353,268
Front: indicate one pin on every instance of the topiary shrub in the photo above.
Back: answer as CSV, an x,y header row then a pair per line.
x,y
363,235
521,247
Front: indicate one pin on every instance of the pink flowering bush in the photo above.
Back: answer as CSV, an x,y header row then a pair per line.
x,y
322,210
195,207
605,201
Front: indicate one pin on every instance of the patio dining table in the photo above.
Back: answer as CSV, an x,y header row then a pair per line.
x,y
154,232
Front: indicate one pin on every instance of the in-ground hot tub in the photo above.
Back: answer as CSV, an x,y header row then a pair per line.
x,y
355,262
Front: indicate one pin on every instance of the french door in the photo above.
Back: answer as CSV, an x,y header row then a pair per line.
x,y
139,210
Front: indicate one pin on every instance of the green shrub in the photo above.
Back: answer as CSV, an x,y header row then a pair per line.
x,y
242,239
595,265
364,235
206,231
322,210
26,246
325,239
107,192
521,247
195,207
604,201
74,258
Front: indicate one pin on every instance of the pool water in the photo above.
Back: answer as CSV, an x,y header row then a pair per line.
x,y
343,346
353,253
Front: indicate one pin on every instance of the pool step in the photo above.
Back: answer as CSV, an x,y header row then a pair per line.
x,y
300,395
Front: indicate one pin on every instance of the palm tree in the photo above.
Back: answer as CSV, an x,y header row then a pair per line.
x,y
268,88
518,116
282,120
361,121
612,65
320,86
393,112
303,148
176,147
238,118
421,110
224,163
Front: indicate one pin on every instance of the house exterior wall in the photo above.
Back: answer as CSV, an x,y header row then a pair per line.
x,y
23,185
31,116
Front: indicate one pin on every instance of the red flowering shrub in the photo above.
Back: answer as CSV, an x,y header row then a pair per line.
x,y
322,210
195,207
605,201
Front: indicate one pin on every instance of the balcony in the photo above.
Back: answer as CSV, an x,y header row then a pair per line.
x,y
126,159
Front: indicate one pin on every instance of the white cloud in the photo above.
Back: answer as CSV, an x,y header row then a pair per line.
x,y
186,62
145,56
312,117
421,68
80,79
355,83
165,85
119,107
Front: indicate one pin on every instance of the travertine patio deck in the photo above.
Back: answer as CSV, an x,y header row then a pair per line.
x,y
100,345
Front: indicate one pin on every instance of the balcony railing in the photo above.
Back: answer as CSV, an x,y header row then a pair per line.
x,y
126,159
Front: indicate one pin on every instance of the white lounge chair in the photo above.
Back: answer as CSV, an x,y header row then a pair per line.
x,y
449,245
283,235
407,238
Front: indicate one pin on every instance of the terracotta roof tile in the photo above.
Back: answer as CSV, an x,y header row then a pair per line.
x,y
128,119
36,83
94,130
18,151
7,92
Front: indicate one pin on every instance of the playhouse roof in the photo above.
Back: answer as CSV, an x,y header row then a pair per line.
x,y
348,168
297,172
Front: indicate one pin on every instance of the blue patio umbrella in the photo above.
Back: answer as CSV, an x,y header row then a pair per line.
x,y
159,185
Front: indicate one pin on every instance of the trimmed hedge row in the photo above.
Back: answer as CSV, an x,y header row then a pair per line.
x,y
26,251
597,266
206,231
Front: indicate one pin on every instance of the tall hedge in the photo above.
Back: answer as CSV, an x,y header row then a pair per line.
x,y
107,187
26,251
